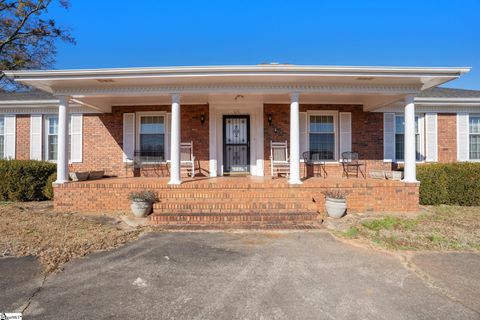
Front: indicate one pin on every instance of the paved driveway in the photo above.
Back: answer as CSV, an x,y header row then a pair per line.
x,y
299,275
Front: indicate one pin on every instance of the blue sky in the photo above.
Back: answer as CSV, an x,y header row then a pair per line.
x,y
121,33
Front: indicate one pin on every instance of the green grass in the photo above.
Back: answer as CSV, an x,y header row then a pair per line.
x,y
443,228
351,233
389,223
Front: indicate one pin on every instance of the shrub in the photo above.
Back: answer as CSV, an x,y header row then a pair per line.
x,y
146,195
48,189
452,184
24,180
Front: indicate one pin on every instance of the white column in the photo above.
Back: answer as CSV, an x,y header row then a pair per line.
x,y
410,174
62,147
294,140
175,141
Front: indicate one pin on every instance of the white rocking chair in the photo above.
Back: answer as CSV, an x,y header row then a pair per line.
x,y
187,159
279,161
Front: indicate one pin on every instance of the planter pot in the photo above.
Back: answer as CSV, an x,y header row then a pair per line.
x,y
377,174
79,176
336,208
141,208
96,175
394,175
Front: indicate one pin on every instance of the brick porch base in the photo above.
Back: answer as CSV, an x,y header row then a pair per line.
x,y
236,200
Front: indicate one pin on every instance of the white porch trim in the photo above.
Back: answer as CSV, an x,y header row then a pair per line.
x,y
62,151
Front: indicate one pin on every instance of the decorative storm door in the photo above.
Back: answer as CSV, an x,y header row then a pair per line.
x,y
236,144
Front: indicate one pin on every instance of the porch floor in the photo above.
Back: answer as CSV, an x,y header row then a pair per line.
x,y
236,200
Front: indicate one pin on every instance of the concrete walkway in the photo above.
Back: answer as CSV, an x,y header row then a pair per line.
x,y
294,275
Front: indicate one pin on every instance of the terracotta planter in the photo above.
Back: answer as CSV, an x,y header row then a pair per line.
x,y
336,208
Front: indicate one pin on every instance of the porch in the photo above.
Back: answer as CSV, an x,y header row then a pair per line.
x,y
236,200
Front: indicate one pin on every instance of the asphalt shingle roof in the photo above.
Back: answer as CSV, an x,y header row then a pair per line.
x,y
436,92
26,95
439,92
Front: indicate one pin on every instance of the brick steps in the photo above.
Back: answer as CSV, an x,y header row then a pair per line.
x,y
213,227
233,218
234,205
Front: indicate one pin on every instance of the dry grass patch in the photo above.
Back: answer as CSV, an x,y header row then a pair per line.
x,y
33,228
442,228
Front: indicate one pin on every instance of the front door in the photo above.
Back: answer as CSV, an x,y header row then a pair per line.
x,y
236,144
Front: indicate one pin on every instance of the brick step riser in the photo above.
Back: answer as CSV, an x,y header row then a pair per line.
x,y
235,205
262,219
237,197
238,193
232,211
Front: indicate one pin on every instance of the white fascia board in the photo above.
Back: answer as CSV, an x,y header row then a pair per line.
x,y
265,70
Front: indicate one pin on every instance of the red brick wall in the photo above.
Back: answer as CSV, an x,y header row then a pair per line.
x,y
22,148
103,138
367,133
363,195
447,137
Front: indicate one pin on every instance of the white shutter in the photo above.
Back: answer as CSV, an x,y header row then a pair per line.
x,y
10,127
345,132
36,137
431,143
128,136
168,125
303,117
76,144
388,136
463,152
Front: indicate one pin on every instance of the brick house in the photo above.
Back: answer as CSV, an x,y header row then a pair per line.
x,y
100,119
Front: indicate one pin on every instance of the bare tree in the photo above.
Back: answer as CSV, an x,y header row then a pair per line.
x,y
27,37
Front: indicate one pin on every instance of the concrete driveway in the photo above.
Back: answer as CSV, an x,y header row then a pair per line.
x,y
296,275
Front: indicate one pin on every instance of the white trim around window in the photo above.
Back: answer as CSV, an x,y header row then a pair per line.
x,y
420,131
333,113
473,132
138,118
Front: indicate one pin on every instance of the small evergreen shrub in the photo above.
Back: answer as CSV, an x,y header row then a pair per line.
x,y
451,184
24,180
48,189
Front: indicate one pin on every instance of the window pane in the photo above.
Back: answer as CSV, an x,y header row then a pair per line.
x,y
320,124
474,124
399,146
53,125
152,147
475,147
52,147
322,144
152,124
2,125
1,146
400,124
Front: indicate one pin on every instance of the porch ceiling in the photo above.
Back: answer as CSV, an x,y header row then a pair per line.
x,y
373,87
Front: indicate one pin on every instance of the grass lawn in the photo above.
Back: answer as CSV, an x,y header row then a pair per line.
x,y
33,228
442,228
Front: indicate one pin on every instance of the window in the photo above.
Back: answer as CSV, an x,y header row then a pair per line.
x,y
51,138
400,138
474,133
322,136
2,137
152,138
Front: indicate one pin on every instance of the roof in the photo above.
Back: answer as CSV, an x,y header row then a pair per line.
x,y
29,95
438,92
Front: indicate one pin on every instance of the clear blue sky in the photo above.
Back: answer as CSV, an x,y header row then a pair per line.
x,y
121,33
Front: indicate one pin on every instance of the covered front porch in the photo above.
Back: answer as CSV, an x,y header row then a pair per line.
x,y
277,102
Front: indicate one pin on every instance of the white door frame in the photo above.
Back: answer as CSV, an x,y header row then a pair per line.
x,y
220,106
